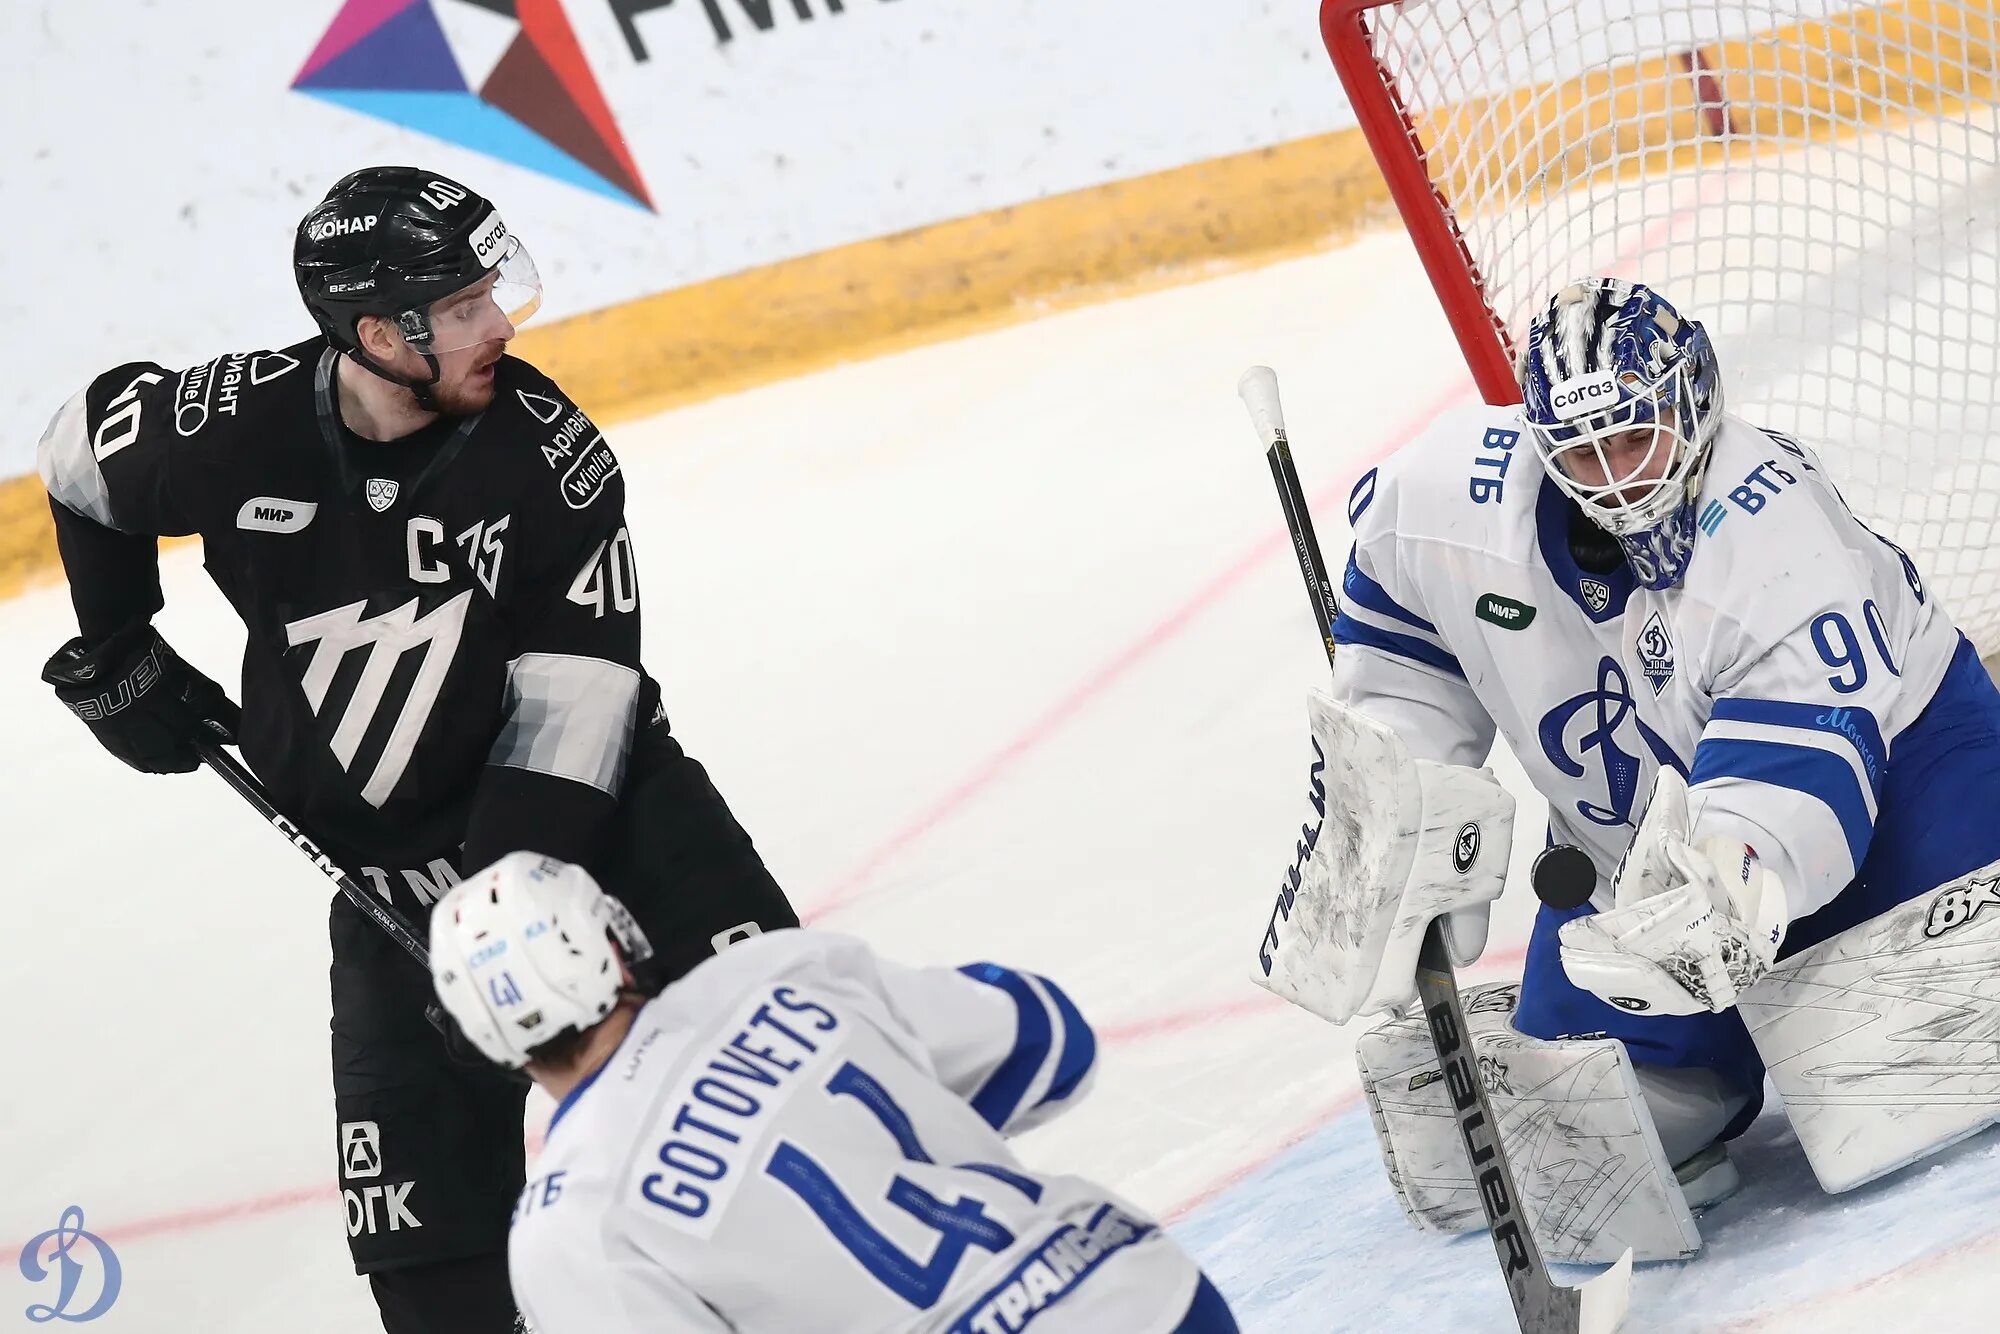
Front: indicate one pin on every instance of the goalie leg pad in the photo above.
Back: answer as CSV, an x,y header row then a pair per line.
x,y
1881,1039
1588,1162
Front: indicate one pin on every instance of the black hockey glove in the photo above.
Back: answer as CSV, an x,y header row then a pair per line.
x,y
141,701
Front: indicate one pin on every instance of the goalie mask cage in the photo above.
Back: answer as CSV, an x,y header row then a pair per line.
x,y
1818,182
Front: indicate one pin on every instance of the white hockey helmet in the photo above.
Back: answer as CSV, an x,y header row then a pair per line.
x,y
522,953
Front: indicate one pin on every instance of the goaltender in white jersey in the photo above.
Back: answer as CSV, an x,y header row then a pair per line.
x,y
795,1138
1779,753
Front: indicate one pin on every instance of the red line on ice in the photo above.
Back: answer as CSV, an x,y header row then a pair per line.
x,y
854,884
1261,1003
1340,1106
1256,1003
229,1211
1111,1035
1836,1298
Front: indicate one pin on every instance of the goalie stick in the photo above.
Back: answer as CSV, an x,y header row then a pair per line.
x,y
1541,1305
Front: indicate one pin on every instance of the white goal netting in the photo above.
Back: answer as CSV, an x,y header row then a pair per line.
x,y
1818,182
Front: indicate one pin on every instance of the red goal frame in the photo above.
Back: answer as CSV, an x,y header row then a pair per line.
x,y
1427,214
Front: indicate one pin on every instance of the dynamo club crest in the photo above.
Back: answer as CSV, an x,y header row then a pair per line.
x,y
82,1268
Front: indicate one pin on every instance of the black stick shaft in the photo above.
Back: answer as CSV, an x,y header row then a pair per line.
x,y
1305,542
247,787
1540,1305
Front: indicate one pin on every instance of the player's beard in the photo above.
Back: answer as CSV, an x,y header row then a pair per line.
x,y
467,392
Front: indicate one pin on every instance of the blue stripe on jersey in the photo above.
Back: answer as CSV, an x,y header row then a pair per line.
x,y
1808,769
569,1099
1365,592
1079,1049
1855,726
1347,630
1000,1097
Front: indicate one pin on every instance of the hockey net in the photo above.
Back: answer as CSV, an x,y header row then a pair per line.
x,y
1817,182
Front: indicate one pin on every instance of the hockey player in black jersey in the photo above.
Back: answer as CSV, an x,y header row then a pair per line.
x,y
426,541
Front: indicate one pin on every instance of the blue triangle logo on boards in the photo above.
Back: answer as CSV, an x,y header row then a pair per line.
x,y
538,107
407,53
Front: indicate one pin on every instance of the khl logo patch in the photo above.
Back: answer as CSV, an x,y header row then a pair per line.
x,y
1596,593
1656,653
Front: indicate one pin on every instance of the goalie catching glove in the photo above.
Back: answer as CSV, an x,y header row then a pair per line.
x,y
1692,926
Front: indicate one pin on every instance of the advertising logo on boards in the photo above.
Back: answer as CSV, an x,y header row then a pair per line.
x,y
502,77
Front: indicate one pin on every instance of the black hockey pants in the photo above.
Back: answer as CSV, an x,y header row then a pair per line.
x,y
431,1154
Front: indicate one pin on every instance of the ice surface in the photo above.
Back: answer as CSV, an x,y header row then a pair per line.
x,y
997,649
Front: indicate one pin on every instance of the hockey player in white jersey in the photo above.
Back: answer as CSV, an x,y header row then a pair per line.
x,y
1779,753
795,1138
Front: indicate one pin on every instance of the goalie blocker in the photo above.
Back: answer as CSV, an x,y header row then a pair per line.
x,y
1400,841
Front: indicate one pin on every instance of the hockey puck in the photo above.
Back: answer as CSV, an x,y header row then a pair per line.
x,y
1563,877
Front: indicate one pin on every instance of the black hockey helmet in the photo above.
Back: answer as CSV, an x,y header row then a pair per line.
x,y
390,241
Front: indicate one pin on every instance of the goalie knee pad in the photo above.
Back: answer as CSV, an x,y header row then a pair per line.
x,y
1587,1160
1880,1039
1691,1107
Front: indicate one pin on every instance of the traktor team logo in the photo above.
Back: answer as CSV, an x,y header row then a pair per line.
x,y
502,77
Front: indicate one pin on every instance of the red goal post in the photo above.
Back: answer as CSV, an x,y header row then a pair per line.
x,y
1427,214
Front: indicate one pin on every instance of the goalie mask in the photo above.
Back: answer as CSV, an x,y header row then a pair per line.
x,y
523,952
1622,398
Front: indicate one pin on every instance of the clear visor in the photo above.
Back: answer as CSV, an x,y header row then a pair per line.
x,y
490,310
1630,464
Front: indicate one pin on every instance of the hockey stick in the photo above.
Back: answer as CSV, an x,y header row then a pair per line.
x,y
1541,1305
232,772
397,926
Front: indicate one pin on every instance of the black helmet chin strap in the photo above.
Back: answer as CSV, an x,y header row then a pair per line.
x,y
421,388
413,326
